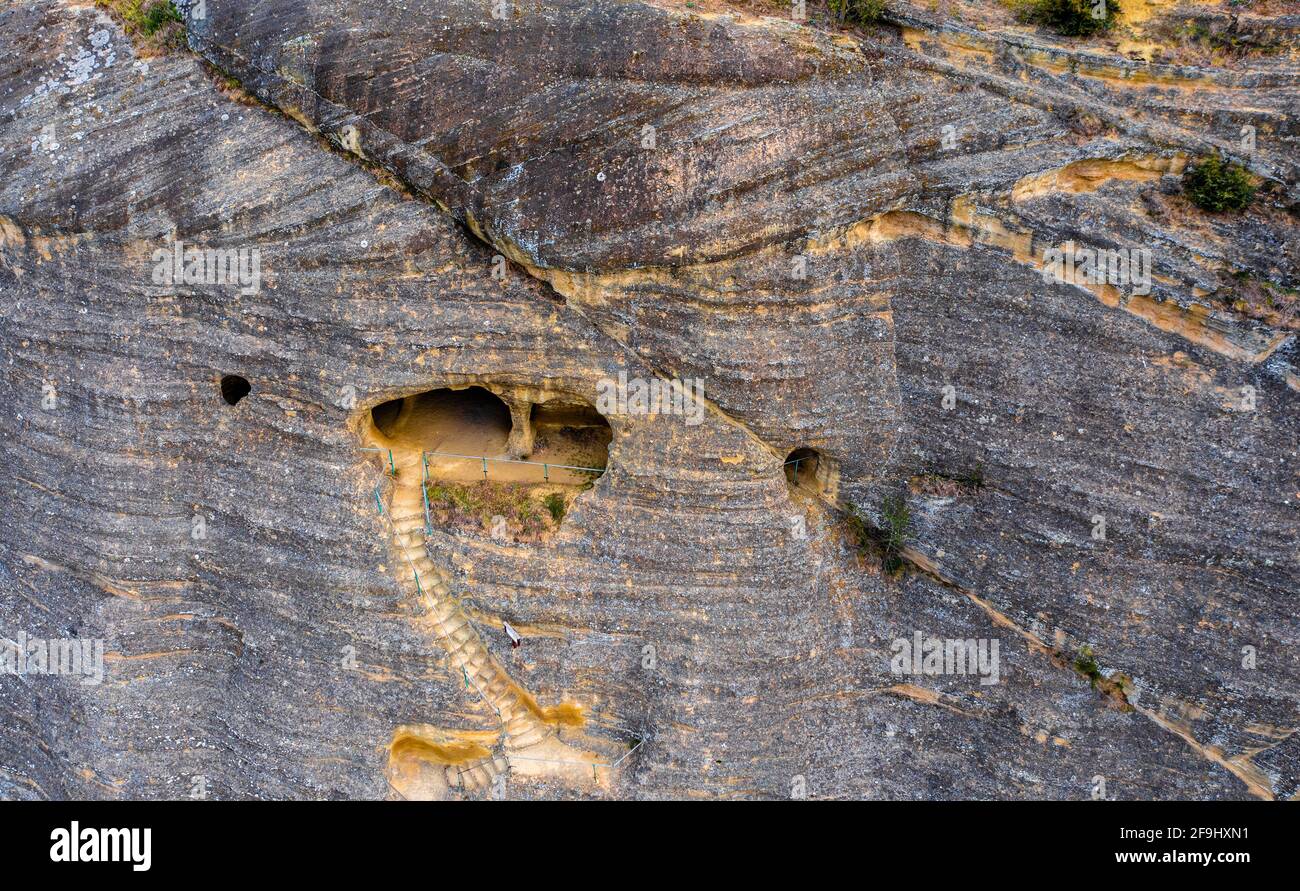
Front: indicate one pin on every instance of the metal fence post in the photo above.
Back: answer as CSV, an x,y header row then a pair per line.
x,y
424,492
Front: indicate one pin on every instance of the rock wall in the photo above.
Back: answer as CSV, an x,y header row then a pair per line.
x,y
536,204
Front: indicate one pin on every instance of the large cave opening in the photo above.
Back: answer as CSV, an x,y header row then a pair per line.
x,y
470,421
569,431
502,436
507,462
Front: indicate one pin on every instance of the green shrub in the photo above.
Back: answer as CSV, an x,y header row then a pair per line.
x,y
890,538
1086,664
1073,18
154,25
898,523
859,12
158,15
1216,186
556,505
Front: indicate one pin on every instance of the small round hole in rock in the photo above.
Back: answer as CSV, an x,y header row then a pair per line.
x,y
801,467
234,388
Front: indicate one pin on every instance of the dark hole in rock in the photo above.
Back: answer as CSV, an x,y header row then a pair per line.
x,y
801,468
385,415
234,388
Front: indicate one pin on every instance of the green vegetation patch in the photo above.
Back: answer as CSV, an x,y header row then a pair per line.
x,y
475,507
1216,186
1086,664
556,505
857,12
887,540
154,26
945,485
1072,18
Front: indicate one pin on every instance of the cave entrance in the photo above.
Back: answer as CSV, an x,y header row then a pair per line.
x,y
801,468
472,421
569,431
474,434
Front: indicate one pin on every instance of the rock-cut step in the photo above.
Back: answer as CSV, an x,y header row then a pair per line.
x,y
464,647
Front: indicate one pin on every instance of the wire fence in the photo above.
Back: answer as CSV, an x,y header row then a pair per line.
x,y
484,460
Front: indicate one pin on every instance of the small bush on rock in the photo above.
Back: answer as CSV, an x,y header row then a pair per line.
x,y
155,26
857,12
556,505
1073,18
1216,186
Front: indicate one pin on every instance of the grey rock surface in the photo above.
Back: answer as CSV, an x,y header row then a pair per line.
x,y
804,235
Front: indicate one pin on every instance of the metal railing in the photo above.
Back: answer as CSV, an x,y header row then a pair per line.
x,y
483,459
545,465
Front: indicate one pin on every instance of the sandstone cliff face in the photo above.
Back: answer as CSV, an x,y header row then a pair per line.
x,y
841,234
